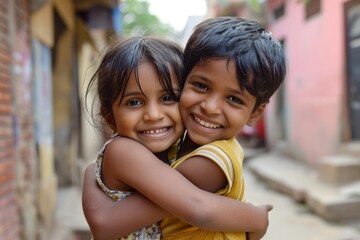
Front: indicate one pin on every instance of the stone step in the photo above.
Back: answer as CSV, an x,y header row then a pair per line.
x,y
339,170
280,173
335,204
350,148
302,183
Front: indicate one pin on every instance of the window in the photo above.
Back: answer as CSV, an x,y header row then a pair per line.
x,y
312,7
279,11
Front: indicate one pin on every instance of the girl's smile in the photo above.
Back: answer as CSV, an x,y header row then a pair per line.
x,y
146,112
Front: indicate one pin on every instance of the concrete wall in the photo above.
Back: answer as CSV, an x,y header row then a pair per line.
x,y
315,83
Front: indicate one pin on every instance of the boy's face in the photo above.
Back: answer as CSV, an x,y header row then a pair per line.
x,y
148,115
212,105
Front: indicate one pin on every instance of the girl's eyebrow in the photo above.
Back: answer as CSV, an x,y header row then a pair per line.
x,y
132,93
176,90
137,93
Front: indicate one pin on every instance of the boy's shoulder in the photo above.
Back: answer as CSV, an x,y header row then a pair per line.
x,y
230,144
230,147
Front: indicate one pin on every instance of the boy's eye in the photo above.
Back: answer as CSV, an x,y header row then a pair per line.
x,y
200,86
167,98
134,102
236,100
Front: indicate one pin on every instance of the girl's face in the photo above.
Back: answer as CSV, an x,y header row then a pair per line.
x,y
148,115
212,105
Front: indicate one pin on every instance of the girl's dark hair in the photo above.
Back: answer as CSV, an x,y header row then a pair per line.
x,y
259,58
121,59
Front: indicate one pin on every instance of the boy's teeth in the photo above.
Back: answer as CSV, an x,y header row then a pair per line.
x,y
205,124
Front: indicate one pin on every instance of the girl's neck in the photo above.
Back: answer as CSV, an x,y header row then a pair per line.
x,y
187,146
163,156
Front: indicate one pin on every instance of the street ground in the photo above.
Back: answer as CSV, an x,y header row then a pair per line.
x,y
289,220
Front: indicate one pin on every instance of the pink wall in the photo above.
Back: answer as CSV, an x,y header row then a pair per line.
x,y
315,82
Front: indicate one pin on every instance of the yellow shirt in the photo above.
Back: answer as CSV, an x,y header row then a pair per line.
x,y
228,155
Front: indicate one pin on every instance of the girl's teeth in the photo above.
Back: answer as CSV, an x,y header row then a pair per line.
x,y
155,131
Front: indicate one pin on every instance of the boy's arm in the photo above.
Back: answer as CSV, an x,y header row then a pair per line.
x,y
170,190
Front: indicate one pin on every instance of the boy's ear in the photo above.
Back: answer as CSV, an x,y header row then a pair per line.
x,y
255,115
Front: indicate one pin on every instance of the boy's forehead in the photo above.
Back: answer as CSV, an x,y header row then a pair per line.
x,y
222,63
209,60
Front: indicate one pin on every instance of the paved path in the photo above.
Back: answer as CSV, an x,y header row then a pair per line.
x,y
290,220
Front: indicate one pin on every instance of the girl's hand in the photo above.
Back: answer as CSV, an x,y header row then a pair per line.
x,y
258,235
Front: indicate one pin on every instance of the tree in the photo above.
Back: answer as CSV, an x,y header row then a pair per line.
x,y
137,20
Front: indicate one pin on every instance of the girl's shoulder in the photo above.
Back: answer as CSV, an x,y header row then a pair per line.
x,y
123,143
121,150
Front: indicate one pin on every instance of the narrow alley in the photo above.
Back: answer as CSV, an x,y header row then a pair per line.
x,y
288,219
292,220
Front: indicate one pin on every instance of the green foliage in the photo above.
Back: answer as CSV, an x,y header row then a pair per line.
x,y
255,5
137,20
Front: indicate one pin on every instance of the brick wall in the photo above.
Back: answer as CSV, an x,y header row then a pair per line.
x,y
9,221
16,146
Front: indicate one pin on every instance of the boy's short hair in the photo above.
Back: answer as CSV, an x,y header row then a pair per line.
x,y
259,58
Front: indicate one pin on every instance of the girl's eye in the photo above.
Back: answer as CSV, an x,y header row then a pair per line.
x,y
200,86
167,98
134,102
236,100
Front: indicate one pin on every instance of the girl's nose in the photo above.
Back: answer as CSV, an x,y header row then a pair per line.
x,y
153,112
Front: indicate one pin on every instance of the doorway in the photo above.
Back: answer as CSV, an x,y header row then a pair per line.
x,y
352,17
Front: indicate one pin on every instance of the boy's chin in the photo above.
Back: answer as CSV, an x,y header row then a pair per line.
x,y
200,140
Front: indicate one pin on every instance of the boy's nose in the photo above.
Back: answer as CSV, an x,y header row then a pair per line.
x,y
211,105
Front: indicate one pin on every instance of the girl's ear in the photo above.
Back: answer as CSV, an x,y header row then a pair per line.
x,y
109,119
255,115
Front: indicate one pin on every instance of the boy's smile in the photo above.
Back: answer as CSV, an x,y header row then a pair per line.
x,y
204,122
212,105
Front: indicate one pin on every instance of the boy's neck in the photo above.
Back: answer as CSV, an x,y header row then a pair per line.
x,y
186,147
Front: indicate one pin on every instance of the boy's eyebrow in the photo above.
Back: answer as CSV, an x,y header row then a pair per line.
x,y
239,92
235,91
244,94
200,76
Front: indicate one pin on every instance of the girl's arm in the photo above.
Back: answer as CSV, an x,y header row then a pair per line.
x,y
167,188
108,219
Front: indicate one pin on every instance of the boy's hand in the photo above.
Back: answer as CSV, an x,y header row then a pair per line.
x,y
258,235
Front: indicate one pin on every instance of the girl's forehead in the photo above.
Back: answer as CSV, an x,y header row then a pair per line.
x,y
146,74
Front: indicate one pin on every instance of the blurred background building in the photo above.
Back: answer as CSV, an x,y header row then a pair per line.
x,y
49,49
